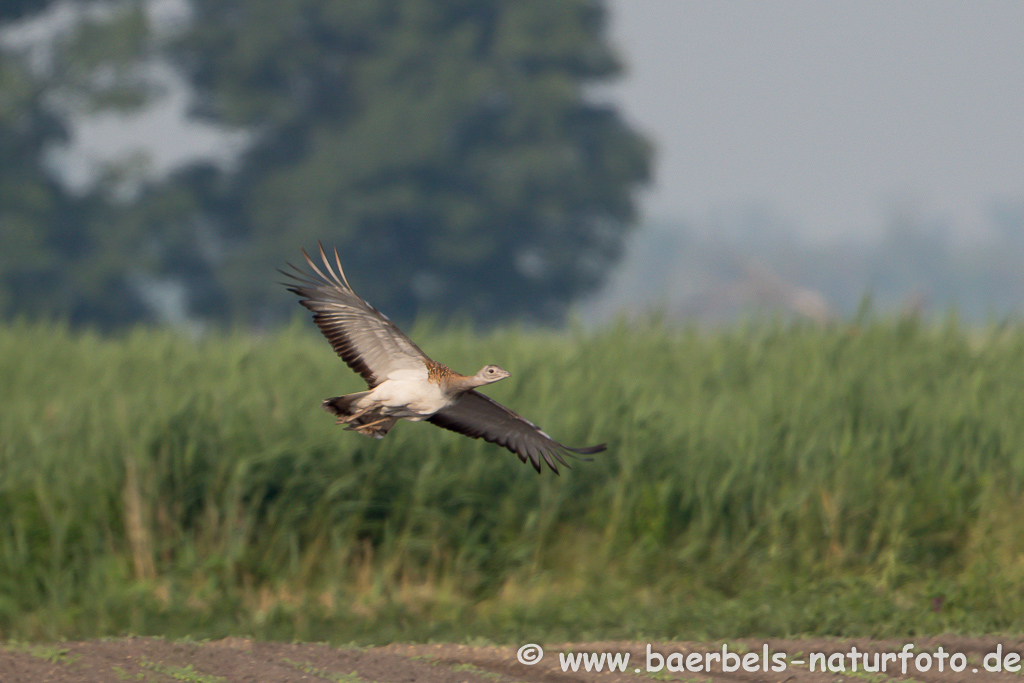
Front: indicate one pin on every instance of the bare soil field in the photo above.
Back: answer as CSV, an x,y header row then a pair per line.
x,y
237,659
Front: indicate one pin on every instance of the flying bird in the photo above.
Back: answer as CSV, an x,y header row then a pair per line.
x,y
403,382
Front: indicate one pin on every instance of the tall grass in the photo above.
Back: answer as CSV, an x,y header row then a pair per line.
x,y
856,479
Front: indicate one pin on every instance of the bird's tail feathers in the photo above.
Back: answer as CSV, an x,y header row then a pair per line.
x,y
343,406
372,423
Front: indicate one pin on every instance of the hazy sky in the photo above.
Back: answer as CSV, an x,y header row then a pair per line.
x,y
827,112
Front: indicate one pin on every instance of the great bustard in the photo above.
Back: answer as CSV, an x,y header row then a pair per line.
x,y
403,382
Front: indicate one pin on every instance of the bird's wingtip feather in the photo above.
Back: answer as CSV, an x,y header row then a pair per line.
x,y
590,450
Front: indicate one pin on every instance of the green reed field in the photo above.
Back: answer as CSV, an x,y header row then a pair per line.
x,y
863,478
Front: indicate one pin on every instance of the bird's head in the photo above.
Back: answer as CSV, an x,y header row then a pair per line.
x,y
491,373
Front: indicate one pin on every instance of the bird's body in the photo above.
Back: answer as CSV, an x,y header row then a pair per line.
x,y
408,394
411,393
403,382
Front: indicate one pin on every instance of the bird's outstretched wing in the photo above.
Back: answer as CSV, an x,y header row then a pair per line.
x,y
361,335
480,417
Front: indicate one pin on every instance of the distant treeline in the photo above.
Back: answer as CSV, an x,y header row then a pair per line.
x,y
446,149
751,263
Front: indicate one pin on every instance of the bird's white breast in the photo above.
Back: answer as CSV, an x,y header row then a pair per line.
x,y
409,389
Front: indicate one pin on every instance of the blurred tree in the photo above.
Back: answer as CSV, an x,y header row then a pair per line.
x,y
60,252
32,204
447,148
17,9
